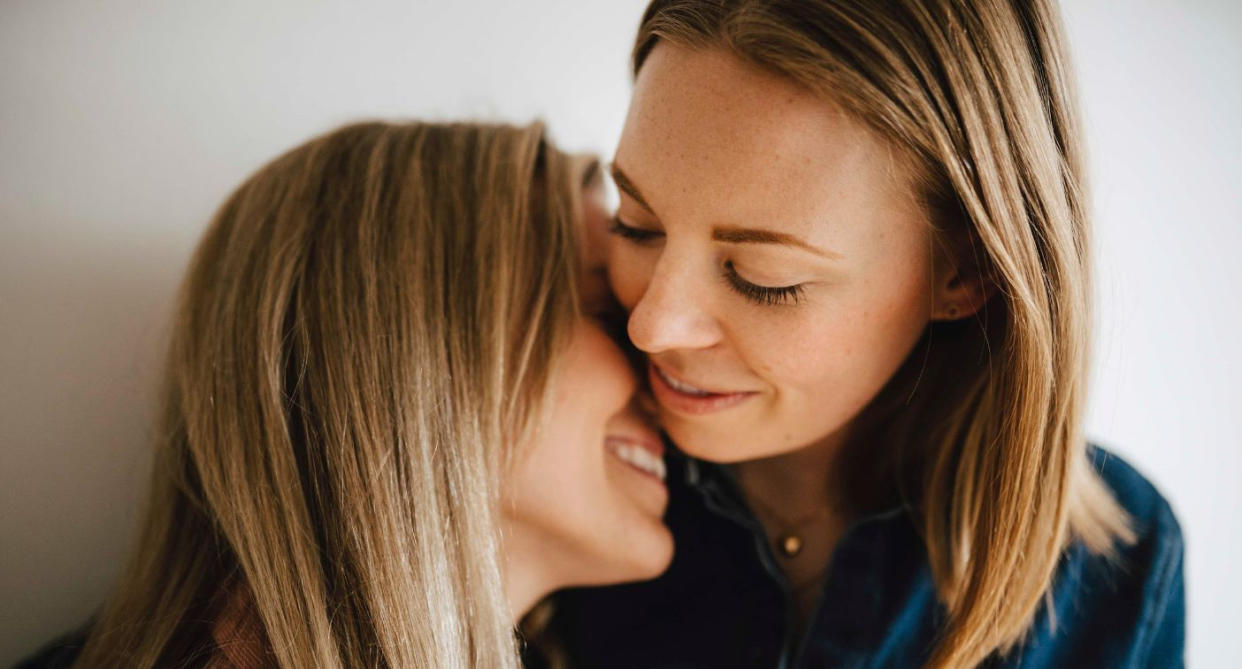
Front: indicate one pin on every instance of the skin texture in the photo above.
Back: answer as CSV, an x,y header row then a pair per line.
x,y
712,148
573,513
711,144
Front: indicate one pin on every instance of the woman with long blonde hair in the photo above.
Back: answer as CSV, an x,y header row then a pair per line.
x,y
389,428
854,243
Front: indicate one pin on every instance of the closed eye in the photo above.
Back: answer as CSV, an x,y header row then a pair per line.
x,y
634,234
764,295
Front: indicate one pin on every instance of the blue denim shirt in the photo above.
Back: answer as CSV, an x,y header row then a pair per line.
x,y
725,603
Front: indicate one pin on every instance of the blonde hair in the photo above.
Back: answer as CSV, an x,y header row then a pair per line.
x,y
982,427
363,334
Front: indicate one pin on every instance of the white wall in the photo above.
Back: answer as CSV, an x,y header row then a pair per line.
x,y
122,126
1162,92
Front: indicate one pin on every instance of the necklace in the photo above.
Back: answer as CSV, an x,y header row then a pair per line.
x,y
788,541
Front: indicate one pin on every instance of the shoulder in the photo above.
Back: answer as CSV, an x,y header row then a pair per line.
x,y
1126,608
1154,560
1151,515
58,654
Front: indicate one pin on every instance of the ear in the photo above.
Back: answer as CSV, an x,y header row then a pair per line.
x,y
958,292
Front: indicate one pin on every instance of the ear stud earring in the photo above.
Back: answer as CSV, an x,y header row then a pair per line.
x,y
951,311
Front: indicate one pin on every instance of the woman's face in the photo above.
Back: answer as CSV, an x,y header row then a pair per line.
x,y
774,261
587,496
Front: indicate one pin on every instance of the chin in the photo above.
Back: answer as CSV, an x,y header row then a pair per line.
x,y
707,445
642,558
652,561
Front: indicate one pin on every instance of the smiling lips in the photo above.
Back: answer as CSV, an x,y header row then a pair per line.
x,y
684,398
639,455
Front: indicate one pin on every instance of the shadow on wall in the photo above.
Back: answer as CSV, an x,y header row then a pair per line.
x,y
82,338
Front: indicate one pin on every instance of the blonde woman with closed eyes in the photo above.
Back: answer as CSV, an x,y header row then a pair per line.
x,y
390,425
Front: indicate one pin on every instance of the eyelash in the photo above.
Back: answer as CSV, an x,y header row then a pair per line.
x,y
632,233
766,295
763,295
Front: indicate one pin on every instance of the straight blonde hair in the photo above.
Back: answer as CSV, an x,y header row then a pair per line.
x,y
362,336
981,429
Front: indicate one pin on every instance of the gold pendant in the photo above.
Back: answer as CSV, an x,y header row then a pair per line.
x,y
791,545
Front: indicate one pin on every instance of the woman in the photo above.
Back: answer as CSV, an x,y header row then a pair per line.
x,y
853,243
388,430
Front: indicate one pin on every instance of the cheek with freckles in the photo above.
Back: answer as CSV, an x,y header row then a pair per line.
x,y
824,364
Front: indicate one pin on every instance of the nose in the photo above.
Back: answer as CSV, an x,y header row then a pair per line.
x,y
674,312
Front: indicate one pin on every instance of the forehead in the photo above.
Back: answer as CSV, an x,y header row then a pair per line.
x,y
705,129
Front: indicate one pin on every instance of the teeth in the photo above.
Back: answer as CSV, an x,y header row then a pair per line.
x,y
681,387
640,457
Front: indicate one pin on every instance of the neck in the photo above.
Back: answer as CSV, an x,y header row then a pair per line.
x,y
793,496
798,482
527,577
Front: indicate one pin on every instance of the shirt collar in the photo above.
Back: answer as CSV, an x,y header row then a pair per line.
x,y
720,488
875,552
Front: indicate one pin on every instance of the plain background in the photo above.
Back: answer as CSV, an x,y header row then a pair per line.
x,y
123,124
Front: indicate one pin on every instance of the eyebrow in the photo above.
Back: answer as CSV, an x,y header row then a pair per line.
x,y
729,235
591,173
626,186
732,235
